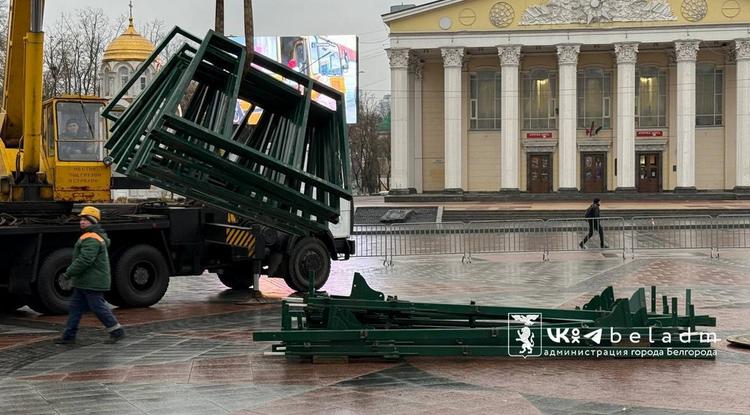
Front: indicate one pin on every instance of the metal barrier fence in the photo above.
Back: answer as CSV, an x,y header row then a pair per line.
x,y
508,236
732,232
427,239
640,233
604,233
371,240
672,232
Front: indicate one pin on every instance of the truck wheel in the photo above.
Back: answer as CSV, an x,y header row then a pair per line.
x,y
141,276
236,277
51,292
10,302
309,254
112,296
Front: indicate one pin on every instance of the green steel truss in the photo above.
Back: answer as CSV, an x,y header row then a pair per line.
x,y
289,171
367,324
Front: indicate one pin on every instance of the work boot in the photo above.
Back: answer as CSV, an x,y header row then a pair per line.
x,y
115,337
63,340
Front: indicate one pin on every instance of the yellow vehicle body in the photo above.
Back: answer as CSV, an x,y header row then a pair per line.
x,y
42,156
73,177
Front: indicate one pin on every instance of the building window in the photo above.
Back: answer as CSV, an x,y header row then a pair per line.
x,y
709,95
143,83
110,86
650,97
594,97
124,76
484,102
539,100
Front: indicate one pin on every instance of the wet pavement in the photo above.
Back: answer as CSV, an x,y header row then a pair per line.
x,y
193,353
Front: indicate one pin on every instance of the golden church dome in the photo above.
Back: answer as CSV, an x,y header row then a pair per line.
x,y
129,46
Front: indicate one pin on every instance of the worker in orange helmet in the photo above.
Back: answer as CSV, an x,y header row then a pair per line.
x,y
89,275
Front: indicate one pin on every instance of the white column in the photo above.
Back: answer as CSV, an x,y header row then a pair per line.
x,y
567,60
686,52
399,61
417,128
452,62
627,54
509,122
742,183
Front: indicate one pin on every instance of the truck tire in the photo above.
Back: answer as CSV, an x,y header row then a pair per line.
x,y
141,276
308,254
10,302
112,296
236,277
51,294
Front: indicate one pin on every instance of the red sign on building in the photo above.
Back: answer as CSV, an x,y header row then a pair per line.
x,y
538,135
649,133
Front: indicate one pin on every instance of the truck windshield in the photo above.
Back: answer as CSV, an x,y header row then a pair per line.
x,y
80,131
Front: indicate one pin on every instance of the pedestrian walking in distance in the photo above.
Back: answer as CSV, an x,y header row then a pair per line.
x,y
592,216
89,275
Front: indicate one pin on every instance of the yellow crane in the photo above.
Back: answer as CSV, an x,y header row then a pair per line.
x,y
51,150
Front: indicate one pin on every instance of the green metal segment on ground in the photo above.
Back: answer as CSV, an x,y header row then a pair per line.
x,y
367,324
289,171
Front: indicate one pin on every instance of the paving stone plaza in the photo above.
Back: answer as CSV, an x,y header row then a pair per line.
x,y
193,354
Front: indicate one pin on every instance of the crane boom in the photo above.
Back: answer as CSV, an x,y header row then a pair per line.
x,y
24,63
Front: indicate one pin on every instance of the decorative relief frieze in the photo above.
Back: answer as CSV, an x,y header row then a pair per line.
x,y
694,10
568,54
467,17
686,50
742,49
509,55
626,52
730,9
416,65
502,14
398,58
597,11
452,56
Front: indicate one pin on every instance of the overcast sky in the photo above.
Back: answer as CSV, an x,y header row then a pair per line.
x,y
272,17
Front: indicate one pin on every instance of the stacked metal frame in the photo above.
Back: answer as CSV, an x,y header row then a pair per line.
x,y
367,324
288,172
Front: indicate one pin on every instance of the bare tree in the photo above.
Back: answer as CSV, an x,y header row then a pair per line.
x,y
154,30
73,52
370,151
74,48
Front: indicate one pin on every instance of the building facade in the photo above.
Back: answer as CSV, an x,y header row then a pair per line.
x,y
119,63
570,95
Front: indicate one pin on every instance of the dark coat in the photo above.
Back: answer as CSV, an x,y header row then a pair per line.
x,y
90,267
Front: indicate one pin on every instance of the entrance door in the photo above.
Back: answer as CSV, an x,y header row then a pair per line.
x,y
539,177
649,172
594,172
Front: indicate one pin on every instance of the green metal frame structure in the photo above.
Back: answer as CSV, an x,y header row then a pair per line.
x,y
367,324
289,171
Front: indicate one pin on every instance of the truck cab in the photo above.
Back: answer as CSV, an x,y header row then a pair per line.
x,y
73,137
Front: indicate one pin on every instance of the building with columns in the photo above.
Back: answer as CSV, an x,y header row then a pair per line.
x,y
570,96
